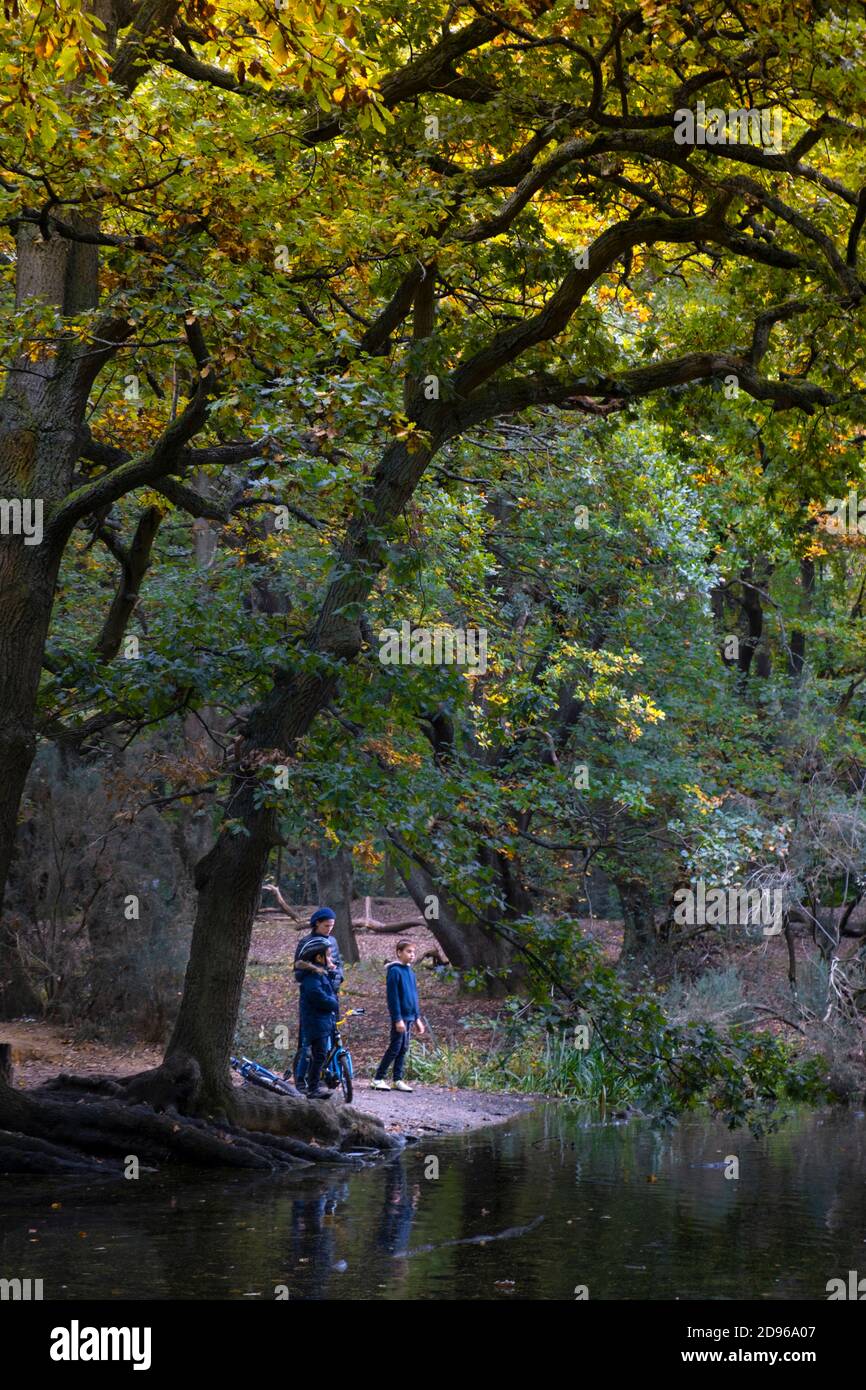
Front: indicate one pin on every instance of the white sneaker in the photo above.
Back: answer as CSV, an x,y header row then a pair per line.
x,y
379,1085
401,1086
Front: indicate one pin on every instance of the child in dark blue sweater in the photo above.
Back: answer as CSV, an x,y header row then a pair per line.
x,y
405,1010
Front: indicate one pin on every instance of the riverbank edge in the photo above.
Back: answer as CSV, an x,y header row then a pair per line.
x,y
437,1110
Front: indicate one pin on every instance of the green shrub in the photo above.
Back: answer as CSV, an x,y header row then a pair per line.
x,y
715,997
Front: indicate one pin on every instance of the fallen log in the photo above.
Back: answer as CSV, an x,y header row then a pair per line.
x,y
369,923
389,928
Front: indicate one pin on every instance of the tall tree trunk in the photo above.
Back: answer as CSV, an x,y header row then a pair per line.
x,y
42,430
229,877
797,652
389,876
228,880
335,881
39,437
38,447
27,578
754,582
469,944
41,417
199,728
639,929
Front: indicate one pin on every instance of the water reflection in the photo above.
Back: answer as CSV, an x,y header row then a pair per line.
x,y
400,1202
533,1209
313,1238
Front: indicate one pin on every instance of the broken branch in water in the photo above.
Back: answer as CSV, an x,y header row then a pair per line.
x,y
510,1234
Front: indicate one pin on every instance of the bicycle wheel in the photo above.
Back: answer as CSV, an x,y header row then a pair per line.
x,y
344,1066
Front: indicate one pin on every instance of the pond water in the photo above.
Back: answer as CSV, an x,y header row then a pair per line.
x,y
530,1209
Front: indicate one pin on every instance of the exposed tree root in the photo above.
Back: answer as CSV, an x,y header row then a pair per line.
x,y
23,1153
81,1124
176,1085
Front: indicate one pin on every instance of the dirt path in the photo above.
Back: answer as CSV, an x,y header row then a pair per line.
x,y
41,1050
438,1110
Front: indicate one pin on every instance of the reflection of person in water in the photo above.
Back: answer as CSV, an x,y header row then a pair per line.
x,y
398,1211
314,1240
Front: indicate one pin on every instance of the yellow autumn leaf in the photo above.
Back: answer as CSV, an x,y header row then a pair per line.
x,y
46,44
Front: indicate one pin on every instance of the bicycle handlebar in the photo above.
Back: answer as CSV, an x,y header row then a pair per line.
x,y
350,1013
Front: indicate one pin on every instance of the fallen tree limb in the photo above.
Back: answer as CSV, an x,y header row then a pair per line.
x,y
389,928
281,902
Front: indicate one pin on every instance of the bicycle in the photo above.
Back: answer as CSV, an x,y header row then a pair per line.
x,y
338,1069
257,1075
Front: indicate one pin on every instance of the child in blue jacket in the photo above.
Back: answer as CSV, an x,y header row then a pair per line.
x,y
405,1010
319,1006
322,923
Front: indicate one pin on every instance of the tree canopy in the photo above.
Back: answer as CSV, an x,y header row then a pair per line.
x,y
319,318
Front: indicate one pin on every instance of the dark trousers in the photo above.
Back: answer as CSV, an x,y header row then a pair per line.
x,y
302,1058
398,1051
318,1052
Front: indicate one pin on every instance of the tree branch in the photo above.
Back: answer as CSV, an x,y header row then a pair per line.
x,y
157,462
134,563
602,254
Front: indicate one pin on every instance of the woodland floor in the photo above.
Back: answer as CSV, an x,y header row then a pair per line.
x,y
41,1050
